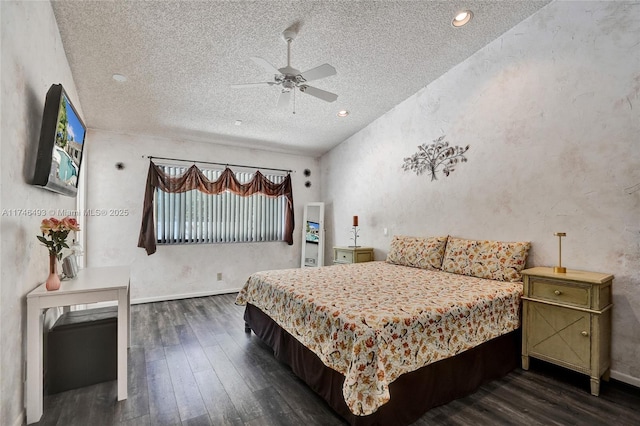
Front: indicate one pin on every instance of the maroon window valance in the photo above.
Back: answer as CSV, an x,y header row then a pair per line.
x,y
193,178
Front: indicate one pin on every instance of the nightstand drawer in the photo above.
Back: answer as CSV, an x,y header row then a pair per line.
x,y
358,254
344,256
560,292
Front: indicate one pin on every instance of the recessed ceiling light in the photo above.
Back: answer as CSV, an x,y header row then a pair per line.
x,y
238,122
119,78
462,18
343,113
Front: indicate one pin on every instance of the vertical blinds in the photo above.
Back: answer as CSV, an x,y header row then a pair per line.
x,y
196,217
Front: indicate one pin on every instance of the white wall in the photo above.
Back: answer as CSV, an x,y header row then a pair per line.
x,y
552,114
32,59
178,270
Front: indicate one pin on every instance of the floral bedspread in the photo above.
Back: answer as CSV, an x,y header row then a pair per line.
x,y
374,321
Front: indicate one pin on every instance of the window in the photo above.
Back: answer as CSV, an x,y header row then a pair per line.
x,y
196,217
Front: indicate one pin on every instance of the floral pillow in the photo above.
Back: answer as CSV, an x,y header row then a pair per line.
x,y
418,252
495,260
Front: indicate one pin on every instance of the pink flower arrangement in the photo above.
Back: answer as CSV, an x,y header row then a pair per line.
x,y
55,232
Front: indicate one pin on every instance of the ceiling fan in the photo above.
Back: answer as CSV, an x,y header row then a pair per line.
x,y
288,79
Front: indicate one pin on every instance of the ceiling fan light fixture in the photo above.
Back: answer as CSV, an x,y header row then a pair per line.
x,y
343,113
289,79
462,18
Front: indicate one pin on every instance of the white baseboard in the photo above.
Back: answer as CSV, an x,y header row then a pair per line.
x,y
167,297
183,296
630,380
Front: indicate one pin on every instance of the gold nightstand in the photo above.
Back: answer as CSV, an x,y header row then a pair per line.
x,y
566,320
352,254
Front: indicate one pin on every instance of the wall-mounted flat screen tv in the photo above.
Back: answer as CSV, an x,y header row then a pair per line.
x,y
313,232
61,144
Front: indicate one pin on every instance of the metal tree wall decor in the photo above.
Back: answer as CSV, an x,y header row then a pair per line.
x,y
432,156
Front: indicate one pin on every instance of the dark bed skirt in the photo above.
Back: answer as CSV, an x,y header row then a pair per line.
x,y
412,394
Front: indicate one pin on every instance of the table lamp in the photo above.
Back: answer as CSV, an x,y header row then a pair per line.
x,y
355,232
560,269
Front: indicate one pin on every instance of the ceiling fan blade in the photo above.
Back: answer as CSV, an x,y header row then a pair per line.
x,y
283,100
322,71
265,65
242,86
319,93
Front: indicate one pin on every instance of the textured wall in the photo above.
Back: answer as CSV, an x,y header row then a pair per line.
x,y
180,269
551,112
32,59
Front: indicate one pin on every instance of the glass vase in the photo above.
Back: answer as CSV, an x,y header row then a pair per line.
x,y
53,281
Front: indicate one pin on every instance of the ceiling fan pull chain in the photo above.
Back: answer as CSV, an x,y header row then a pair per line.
x,y
294,100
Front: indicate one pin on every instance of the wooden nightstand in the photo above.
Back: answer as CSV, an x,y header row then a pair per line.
x,y
352,254
566,320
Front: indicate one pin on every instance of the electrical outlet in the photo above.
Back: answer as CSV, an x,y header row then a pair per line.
x,y
219,276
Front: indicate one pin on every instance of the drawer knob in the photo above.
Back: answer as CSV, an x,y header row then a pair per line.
x,y
557,292
584,333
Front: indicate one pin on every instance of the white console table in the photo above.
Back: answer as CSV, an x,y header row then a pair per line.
x,y
91,285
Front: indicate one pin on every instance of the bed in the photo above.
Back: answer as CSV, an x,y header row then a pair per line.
x,y
384,341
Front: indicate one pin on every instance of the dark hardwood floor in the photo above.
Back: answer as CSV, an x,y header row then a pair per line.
x,y
191,363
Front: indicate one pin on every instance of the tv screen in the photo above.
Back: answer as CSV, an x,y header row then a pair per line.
x,y
61,144
313,229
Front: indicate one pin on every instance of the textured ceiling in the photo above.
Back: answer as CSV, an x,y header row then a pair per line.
x,y
181,56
